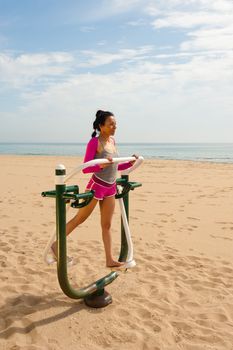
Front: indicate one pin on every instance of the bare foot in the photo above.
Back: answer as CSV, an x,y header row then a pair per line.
x,y
114,263
54,251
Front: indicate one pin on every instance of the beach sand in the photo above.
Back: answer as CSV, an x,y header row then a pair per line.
x,y
180,294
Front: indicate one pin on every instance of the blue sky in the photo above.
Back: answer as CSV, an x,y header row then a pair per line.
x,y
165,68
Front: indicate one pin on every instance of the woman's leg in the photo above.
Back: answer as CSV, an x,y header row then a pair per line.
x,y
79,218
107,206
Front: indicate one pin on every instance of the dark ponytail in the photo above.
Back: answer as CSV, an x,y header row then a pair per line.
x,y
100,119
94,134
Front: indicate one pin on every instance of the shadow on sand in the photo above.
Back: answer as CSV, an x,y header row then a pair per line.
x,y
17,308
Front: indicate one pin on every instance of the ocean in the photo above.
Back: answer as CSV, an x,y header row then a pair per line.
x,y
211,152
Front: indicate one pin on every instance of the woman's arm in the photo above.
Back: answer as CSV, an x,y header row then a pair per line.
x,y
124,166
90,155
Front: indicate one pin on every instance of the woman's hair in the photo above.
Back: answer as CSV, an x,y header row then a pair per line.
x,y
100,119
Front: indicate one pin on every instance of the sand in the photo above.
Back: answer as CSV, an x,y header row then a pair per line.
x,y
180,294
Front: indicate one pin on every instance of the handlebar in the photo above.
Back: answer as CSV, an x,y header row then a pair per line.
x,y
93,162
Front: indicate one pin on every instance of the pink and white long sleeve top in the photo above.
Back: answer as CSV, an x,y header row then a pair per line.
x,y
91,153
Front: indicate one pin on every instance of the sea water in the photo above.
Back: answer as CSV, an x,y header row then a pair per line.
x,y
211,152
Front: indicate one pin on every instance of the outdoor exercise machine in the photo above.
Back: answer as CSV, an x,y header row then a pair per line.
x,y
94,294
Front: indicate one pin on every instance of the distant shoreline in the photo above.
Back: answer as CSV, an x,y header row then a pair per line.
x,y
198,152
80,159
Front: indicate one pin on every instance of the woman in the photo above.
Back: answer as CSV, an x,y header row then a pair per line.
x,y
103,181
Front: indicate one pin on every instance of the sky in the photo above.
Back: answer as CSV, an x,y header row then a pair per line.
x,y
164,68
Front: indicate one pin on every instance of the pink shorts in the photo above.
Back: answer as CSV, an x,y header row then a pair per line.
x,y
102,189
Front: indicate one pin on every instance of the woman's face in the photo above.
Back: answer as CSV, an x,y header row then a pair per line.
x,y
109,126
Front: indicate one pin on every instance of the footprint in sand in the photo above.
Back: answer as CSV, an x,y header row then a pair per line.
x,y
223,238
122,313
14,228
154,327
5,216
227,270
22,260
192,218
6,249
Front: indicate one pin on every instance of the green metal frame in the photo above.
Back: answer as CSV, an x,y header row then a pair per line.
x,y
64,194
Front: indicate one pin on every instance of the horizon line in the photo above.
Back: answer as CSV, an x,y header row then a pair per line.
x,y
119,142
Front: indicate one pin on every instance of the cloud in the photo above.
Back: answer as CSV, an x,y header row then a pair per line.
x,y
44,59
38,71
191,20
177,94
24,69
169,93
110,8
209,39
100,58
122,5
167,98
205,24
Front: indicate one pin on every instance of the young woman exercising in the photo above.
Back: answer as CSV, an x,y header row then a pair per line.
x,y
103,181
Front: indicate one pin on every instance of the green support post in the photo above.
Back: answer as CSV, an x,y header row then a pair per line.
x,y
94,294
